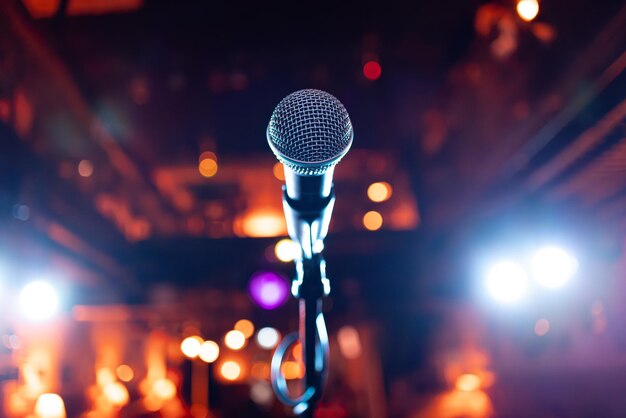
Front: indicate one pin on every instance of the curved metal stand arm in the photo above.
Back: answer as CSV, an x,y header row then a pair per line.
x,y
310,287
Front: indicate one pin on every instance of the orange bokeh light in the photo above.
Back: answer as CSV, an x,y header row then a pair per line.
x,y
372,220
125,373
279,171
245,326
468,382
207,167
292,370
230,370
379,192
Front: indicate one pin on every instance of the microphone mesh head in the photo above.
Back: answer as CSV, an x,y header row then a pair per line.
x,y
310,131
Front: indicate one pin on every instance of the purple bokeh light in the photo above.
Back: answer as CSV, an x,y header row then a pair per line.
x,y
269,290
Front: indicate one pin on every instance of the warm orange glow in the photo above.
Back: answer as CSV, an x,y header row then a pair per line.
x,y
42,8
207,155
50,405
235,340
380,191
208,167
191,346
349,342
279,171
292,370
527,9
244,326
95,7
85,168
125,373
468,382
116,393
542,326
296,351
104,376
286,250
209,351
230,370
372,220
264,224
260,371
164,388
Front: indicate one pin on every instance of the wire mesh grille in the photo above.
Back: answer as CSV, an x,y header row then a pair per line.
x,y
310,131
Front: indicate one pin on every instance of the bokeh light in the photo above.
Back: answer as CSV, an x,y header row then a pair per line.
x,y
372,70
230,370
542,326
191,346
528,9
292,370
164,388
245,326
267,338
553,267
261,393
286,250
379,191
208,167
468,382
235,340
125,373
372,220
349,342
506,281
209,351
116,393
263,224
50,405
279,171
38,300
268,290
85,168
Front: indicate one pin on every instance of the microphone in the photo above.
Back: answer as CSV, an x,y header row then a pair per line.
x,y
309,132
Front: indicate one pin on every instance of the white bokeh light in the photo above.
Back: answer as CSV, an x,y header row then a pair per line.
x,y
267,338
38,300
506,281
553,267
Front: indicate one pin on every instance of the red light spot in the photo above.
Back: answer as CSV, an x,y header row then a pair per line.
x,y
372,70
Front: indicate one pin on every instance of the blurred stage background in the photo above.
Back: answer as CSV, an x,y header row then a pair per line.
x,y
477,252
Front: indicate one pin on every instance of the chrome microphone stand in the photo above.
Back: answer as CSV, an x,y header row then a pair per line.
x,y
310,286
